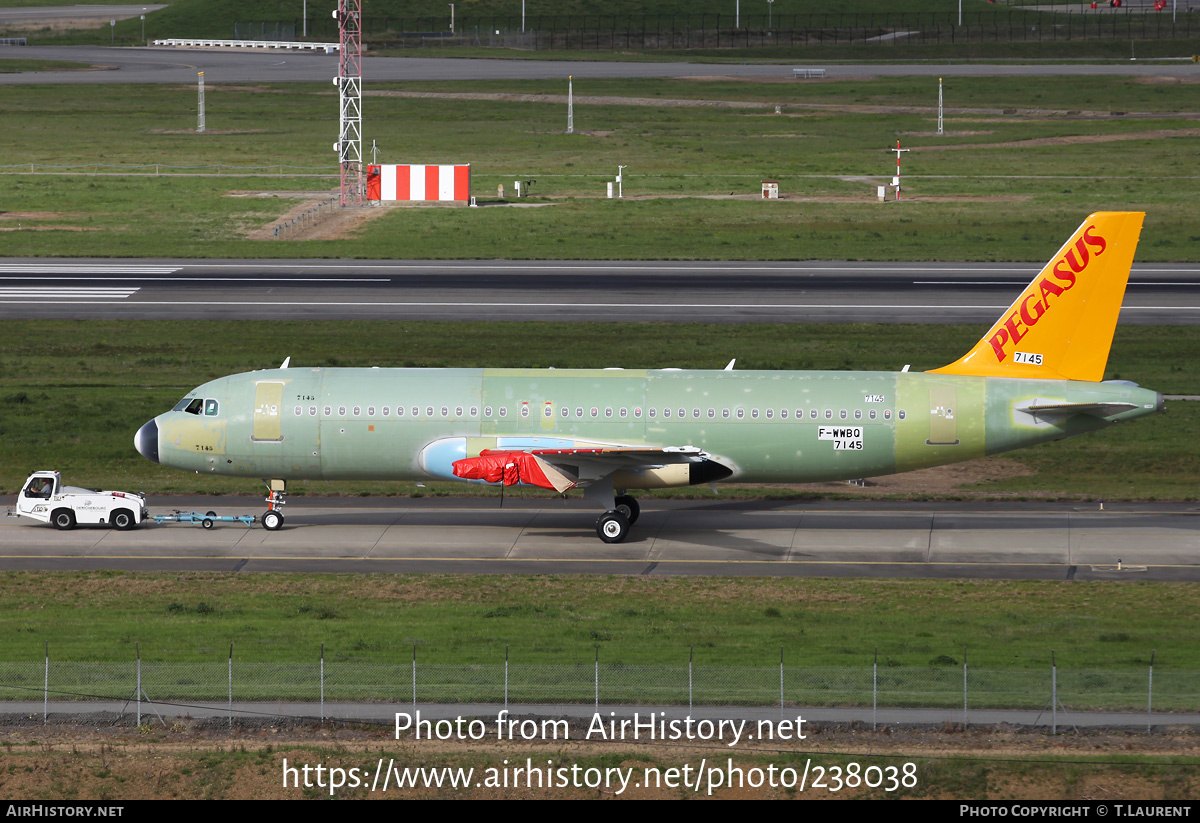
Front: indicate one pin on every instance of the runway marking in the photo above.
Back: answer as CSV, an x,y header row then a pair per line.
x,y
64,293
1017,282
62,268
230,279
541,267
852,512
758,307
607,560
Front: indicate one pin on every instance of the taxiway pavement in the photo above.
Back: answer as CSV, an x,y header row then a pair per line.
x,y
728,538
179,65
702,291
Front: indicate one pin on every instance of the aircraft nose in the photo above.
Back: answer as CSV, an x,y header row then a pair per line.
x,y
146,441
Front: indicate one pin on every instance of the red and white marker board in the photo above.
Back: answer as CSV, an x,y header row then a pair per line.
x,y
419,183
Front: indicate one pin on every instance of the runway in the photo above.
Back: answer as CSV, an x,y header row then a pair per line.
x,y
1021,541
708,292
178,65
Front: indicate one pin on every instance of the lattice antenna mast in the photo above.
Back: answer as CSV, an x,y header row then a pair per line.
x,y
349,83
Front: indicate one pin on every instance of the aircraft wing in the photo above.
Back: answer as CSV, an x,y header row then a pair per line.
x,y
563,469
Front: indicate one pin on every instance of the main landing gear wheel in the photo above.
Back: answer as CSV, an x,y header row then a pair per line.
x,y
629,507
612,527
272,521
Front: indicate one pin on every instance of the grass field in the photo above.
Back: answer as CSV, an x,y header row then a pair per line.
x,y
13,64
72,393
384,18
1100,51
96,616
997,186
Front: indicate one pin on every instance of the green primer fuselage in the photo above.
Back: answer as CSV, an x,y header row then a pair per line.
x,y
765,426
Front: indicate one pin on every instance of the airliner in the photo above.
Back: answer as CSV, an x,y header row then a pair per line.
x,y
1035,376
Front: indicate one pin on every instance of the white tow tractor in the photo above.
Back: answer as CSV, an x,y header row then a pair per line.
x,y
45,498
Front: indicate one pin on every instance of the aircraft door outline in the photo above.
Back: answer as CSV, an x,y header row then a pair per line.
x,y
943,424
268,406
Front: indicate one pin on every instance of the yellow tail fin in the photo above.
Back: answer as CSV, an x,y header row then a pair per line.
x,y
1061,327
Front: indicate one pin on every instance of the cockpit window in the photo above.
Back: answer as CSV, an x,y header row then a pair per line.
x,y
194,406
182,404
210,408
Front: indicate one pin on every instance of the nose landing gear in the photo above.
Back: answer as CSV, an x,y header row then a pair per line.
x,y
272,519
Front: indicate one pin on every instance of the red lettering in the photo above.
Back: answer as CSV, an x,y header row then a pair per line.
x,y
1038,310
1078,266
1049,288
1014,328
1064,275
1095,240
998,340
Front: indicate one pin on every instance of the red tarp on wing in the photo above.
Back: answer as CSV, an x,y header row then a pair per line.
x,y
511,468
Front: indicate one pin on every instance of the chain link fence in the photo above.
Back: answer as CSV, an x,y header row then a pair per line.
x,y
749,31
274,31
337,680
